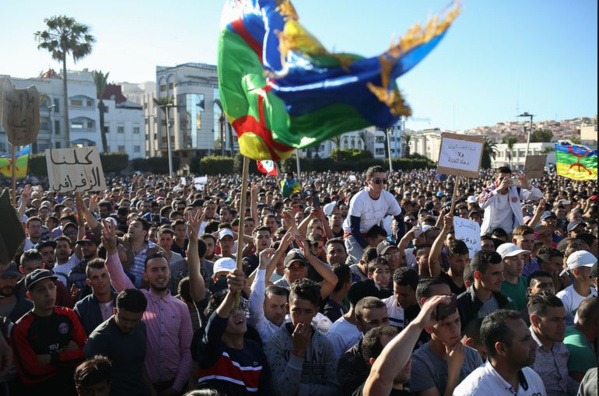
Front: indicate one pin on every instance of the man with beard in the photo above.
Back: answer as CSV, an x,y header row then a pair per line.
x,y
12,305
122,339
168,358
46,249
511,350
64,260
210,242
138,249
77,280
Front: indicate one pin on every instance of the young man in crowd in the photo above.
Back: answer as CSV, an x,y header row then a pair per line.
x,y
302,358
514,284
122,339
484,296
579,266
581,339
47,362
402,306
511,350
548,327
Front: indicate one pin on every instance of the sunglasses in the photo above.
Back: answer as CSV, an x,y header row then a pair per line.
x,y
379,181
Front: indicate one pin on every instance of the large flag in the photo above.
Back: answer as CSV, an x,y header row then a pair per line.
x,y
281,89
21,160
267,166
575,161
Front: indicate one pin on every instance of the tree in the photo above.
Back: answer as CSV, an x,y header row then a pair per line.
x,y
541,136
510,140
407,139
101,80
363,135
489,151
337,141
65,36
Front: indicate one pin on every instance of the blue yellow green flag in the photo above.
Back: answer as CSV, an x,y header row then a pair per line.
x,y
575,161
21,160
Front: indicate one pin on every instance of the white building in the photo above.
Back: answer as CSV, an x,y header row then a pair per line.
x,y
144,94
516,157
426,143
84,118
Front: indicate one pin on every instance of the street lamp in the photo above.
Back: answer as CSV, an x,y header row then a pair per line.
x,y
168,138
526,114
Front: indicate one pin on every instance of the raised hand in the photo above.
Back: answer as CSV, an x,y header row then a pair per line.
x,y
265,257
235,280
301,339
194,223
109,237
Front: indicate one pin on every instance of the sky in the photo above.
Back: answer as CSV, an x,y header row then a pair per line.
x,y
499,58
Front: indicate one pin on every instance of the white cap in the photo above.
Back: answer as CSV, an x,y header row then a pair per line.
x,y
471,199
328,208
425,228
224,264
578,259
510,250
224,232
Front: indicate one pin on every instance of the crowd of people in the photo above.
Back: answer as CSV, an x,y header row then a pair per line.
x,y
325,284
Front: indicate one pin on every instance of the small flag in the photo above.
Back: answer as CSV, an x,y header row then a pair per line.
x,y
21,160
267,166
575,161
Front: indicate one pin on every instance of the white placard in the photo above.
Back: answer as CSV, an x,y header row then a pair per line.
x,y
75,169
183,181
200,180
460,155
352,178
469,232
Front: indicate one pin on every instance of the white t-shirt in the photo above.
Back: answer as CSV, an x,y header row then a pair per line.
x,y
342,336
60,269
395,312
486,381
572,300
370,211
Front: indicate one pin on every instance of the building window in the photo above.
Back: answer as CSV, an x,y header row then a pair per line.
x,y
2,146
137,149
171,86
56,127
136,129
106,129
163,88
90,125
120,128
44,125
56,105
57,145
90,103
77,124
76,102
121,149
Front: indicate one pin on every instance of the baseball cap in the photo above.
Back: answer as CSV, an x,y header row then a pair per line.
x,y
224,232
574,224
440,194
224,264
37,276
294,255
471,199
548,214
88,238
11,270
510,250
578,259
565,202
42,244
382,248
328,208
425,228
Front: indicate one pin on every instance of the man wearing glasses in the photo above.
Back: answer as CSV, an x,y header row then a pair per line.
x,y
368,208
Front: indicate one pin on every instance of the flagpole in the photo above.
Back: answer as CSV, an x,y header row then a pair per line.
x,y
240,233
298,163
14,176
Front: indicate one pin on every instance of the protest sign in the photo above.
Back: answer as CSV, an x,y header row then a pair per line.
x,y
75,169
534,167
460,155
469,232
199,182
20,113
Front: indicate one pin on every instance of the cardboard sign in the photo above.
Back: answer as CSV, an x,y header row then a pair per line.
x,y
75,169
20,113
469,232
199,182
534,167
460,155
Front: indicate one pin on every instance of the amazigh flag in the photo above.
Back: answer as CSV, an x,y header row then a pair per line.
x,y
575,161
281,89
21,160
267,166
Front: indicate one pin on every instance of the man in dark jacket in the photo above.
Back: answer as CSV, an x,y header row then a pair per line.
x,y
484,296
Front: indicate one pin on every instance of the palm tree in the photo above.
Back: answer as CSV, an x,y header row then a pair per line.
x,y
407,138
510,141
65,36
337,141
101,80
489,151
363,135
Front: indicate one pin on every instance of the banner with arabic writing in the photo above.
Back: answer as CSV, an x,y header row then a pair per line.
x,y
75,169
